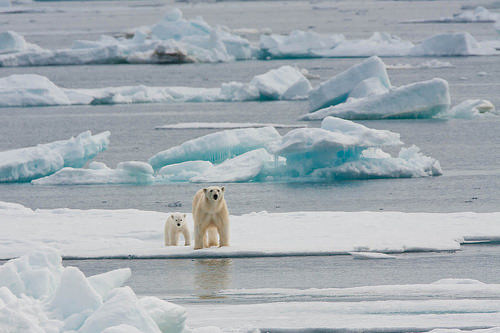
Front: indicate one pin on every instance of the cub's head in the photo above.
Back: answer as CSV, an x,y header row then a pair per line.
x,y
178,219
214,193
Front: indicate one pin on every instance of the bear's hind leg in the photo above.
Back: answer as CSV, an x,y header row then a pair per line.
x,y
212,236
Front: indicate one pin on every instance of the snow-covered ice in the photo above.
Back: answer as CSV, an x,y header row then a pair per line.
x,y
471,109
453,44
134,233
417,100
38,294
284,83
434,63
25,164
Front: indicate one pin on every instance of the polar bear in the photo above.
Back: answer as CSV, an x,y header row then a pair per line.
x,y
175,224
211,217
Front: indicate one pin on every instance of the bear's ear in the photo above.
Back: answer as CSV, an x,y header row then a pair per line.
x,y
205,190
172,216
222,188
184,215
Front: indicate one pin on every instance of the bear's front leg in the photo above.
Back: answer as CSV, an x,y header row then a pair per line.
x,y
174,238
223,235
187,236
166,236
198,238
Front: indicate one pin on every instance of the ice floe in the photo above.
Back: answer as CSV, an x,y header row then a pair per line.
x,y
132,172
25,164
133,233
434,63
453,44
417,100
471,109
217,147
284,83
38,294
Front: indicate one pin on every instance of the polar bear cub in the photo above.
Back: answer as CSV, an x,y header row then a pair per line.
x,y
211,217
175,225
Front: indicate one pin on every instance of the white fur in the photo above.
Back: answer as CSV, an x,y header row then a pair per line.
x,y
176,224
211,217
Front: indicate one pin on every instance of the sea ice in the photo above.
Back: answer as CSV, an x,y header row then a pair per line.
x,y
131,172
452,44
225,125
38,294
336,90
478,14
25,164
217,147
470,109
417,100
11,42
284,83
182,172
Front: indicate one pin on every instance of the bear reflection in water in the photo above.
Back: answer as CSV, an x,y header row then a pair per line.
x,y
211,276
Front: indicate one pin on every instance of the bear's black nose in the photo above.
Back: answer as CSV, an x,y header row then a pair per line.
x,y
178,224
215,196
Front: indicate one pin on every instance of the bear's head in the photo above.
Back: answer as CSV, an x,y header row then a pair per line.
x,y
178,219
214,193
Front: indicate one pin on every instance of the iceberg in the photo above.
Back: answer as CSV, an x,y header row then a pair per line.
x,y
182,172
131,172
26,164
246,167
417,100
30,90
217,147
316,153
336,90
38,294
284,83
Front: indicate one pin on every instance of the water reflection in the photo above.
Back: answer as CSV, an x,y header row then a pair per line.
x,y
211,276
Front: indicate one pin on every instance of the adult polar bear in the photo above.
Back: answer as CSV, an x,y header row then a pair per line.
x,y
210,217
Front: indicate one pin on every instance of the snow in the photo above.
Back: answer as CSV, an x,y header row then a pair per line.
x,y
417,100
38,294
25,164
284,83
337,89
225,125
217,147
133,233
471,109
131,172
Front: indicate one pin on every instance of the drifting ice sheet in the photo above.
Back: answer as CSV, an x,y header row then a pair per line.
x,y
25,164
284,83
114,233
418,100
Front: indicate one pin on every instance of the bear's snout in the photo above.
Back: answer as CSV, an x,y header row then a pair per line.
x,y
215,196
178,224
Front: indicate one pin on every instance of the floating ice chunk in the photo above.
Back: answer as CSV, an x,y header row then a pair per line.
x,y
337,89
434,63
74,286
30,90
182,172
368,87
298,44
478,14
470,109
417,100
25,164
122,307
452,44
243,168
217,147
169,317
105,282
378,164
131,172
285,83
11,42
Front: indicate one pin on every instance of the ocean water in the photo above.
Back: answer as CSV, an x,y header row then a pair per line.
x,y
468,150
